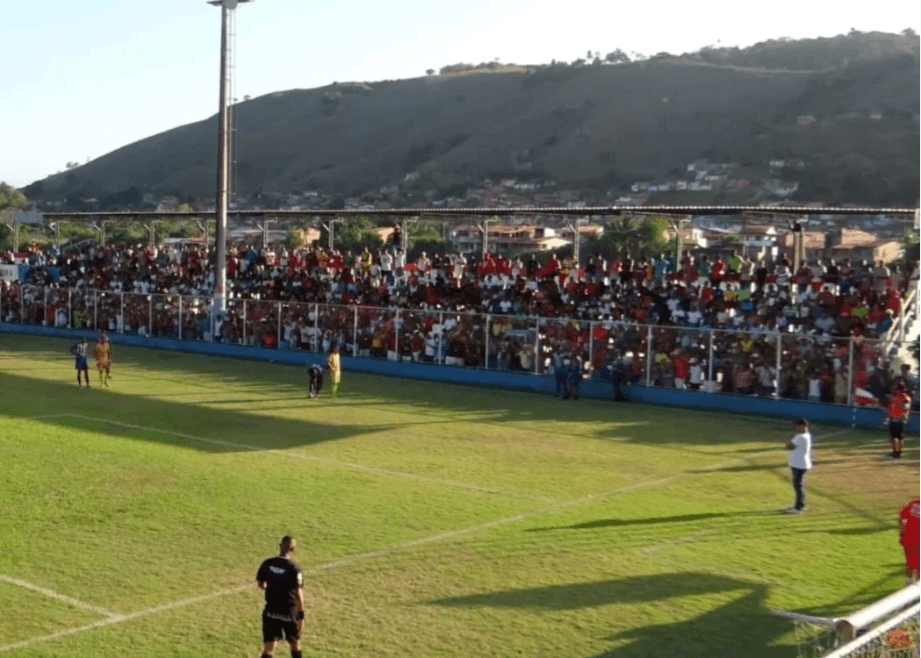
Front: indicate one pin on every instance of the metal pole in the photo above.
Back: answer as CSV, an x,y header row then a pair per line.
x,y
441,334
396,333
591,347
317,339
244,322
779,351
149,316
278,343
710,362
536,345
850,371
648,355
486,357
95,310
355,331
180,317
121,329
223,168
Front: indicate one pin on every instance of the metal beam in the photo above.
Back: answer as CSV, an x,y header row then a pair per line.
x,y
767,211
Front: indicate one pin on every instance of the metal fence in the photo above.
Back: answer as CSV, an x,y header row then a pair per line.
x,y
850,371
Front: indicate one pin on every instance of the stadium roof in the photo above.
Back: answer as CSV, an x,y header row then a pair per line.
x,y
486,212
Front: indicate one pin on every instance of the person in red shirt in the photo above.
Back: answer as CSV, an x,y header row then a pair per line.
x,y
909,538
897,413
682,368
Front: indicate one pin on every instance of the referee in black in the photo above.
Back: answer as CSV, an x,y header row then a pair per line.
x,y
283,615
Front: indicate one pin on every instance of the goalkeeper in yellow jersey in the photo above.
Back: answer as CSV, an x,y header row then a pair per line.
x,y
334,368
102,352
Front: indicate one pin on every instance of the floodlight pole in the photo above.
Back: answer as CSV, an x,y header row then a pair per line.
x,y
223,157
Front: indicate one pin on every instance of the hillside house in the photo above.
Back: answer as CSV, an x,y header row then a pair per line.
x,y
585,231
520,238
841,243
691,237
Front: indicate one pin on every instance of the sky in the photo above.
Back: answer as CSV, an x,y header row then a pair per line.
x,y
85,78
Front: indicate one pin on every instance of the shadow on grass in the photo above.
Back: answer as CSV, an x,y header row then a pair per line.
x,y
741,627
678,429
617,523
149,419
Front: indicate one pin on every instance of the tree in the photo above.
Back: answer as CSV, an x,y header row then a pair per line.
x,y
629,235
617,56
430,71
354,234
11,198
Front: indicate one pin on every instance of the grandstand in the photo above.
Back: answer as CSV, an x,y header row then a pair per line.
x,y
781,327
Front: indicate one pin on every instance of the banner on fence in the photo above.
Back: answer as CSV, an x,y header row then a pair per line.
x,y
12,273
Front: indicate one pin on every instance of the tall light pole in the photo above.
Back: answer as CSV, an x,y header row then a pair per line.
x,y
223,158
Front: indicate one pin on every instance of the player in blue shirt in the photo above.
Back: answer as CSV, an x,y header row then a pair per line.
x,y
80,350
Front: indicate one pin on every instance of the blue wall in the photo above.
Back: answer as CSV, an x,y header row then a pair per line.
x,y
814,411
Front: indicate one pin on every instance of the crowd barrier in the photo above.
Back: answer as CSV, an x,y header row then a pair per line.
x,y
820,377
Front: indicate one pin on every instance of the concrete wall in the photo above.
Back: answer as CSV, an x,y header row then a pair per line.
x,y
814,411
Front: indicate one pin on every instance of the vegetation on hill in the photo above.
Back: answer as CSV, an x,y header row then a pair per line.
x,y
598,125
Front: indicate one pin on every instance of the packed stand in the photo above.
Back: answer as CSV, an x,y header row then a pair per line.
x,y
821,332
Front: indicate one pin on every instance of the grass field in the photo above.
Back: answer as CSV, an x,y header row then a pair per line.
x,y
432,519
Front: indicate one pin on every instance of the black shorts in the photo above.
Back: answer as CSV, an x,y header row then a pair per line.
x,y
279,627
896,427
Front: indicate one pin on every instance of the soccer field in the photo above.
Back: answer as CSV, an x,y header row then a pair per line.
x,y
432,519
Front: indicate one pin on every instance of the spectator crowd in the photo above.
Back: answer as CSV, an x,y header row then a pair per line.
x,y
823,331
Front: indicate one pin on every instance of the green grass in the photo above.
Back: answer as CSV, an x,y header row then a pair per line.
x,y
432,519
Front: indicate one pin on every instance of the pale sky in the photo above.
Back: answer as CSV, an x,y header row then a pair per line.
x,y
85,78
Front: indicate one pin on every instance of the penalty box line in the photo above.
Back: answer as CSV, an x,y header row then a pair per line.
x,y
332,462
352,559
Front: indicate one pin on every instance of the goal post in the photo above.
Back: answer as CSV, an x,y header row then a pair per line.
x,y
887,628
896,638
848,627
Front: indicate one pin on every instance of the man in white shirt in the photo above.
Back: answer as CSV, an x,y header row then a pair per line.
x,y
800,461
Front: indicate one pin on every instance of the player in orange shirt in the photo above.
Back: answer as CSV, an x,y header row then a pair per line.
x,y
909,538
897,412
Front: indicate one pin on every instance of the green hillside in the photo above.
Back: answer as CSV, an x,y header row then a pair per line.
x,y
597,127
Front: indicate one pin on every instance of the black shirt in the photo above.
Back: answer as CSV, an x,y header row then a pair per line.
x,y
282,580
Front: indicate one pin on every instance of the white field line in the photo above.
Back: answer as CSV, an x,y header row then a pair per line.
x,y
351,559
117,619
58,597
322,460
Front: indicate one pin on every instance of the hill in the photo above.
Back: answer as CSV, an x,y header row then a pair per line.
x,y
590,127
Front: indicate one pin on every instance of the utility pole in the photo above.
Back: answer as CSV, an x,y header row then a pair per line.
x,y
677,224
576,238
484,229
330,229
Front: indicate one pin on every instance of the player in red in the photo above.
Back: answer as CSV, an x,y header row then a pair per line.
x,y
897,412
909,538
